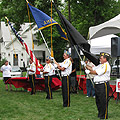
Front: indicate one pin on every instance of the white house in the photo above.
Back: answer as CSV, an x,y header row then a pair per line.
x,y
10,45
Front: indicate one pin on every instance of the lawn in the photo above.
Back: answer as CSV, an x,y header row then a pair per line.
x,y
0,74
20,105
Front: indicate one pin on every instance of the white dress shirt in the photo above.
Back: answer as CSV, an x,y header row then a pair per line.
x,y
68,67
33,68
103,71
50,69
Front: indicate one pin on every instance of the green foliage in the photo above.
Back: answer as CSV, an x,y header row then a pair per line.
x,y
2,62
45,5
59,44
87,13
84,14
17,13
15,10
24,74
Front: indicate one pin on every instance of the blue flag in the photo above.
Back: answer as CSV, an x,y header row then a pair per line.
x,y
43,20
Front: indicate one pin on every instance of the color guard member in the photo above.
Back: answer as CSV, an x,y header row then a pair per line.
x,y
31,72
101,80
66,69
49,72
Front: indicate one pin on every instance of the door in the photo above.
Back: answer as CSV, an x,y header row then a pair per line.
x,y
15,60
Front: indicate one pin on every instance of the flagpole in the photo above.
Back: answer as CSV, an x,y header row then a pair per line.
x,y
74,45
30,26
51,33
29,52
84,66
12,40
45,41
48,49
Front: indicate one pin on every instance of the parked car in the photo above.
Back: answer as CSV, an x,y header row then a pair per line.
x,y
16,72
114,67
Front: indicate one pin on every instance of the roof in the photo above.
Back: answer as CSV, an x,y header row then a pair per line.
x,y
111,26
7,36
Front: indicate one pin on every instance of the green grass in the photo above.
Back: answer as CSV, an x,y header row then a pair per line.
x,y
0,74
20,105
24,73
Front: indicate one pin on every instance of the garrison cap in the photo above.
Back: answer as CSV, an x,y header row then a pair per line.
x,y
68,53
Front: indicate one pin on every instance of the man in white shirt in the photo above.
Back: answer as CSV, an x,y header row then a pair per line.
x,y
49,72
31,72
89,85
66,69
101,80
6,70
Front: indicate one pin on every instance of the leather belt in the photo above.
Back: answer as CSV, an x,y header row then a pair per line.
x,y
101,82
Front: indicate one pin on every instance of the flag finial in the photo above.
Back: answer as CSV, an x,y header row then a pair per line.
x,y
27,1
6,18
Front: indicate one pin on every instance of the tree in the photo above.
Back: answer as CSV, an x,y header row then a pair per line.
x,y
82,14
86,13
16,11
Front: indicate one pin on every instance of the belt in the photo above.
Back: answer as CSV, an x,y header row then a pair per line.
x,y
64,75
101,82
31,74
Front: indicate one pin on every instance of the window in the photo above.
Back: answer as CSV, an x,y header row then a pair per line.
x,y
40,55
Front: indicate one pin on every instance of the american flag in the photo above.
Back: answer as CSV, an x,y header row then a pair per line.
x,y
29,52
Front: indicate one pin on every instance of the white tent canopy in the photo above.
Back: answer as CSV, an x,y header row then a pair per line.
x,y
101,44
110,27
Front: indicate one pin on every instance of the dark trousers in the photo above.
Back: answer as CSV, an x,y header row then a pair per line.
x,y
90,88
72,84
76,85
48,81
32,82
66,91
102,94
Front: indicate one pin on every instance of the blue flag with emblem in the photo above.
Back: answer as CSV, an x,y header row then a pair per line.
x,y
43,20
